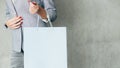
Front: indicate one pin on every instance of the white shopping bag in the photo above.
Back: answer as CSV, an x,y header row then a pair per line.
x,y
45,47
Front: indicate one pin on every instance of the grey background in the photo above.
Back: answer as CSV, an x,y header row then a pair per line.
x,y
93,33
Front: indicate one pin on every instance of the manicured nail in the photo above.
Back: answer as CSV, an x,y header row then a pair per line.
x,y
31,4
34,3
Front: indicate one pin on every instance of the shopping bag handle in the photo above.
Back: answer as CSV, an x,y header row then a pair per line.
x,y
49,21
15,11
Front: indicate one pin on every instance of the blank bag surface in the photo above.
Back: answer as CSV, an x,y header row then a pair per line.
x,y
45,47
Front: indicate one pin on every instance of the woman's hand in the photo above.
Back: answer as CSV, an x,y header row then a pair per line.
x,y
15,22
35,8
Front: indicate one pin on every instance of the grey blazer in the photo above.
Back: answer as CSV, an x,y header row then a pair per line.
x,y
29,20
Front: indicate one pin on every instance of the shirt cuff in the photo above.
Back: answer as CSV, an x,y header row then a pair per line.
x,y
45,20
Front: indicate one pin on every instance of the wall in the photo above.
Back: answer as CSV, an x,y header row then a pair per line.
x,y
93,33
5,39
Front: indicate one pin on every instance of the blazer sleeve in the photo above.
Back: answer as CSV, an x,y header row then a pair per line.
x,y
7,14
7,11
50,8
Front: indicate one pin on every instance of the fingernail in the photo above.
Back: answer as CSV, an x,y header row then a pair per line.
x,y
20,17
34,3
31,4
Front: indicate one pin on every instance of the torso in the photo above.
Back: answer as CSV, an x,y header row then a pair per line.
x,y
29,20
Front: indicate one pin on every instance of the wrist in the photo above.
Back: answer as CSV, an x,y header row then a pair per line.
x,y
42,13
6,25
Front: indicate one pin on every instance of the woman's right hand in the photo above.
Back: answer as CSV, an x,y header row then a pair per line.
x,y
15,22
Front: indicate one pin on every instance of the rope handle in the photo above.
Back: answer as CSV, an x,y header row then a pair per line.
x,y
49,21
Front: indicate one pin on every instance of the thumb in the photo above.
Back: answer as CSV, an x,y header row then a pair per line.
x,y
34,3
31,4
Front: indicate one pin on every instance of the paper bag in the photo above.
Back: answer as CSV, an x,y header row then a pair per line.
x,y
45,47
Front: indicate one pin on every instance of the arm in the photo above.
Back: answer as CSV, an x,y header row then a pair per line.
x,y
12,23
50,9
7,14
47,9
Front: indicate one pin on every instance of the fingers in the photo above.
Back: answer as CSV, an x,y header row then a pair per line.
x,y
18,19
33,3
17,25
34,7
15,20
